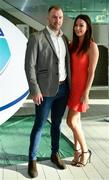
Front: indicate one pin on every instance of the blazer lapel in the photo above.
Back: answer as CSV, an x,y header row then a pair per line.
x,y
50,40
66,45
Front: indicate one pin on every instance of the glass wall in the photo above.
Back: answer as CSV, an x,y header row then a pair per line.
x,y
98,10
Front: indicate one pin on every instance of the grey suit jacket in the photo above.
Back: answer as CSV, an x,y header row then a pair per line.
x,y
41,64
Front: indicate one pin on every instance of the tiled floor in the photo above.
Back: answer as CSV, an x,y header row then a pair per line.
x,y
96,128
97,135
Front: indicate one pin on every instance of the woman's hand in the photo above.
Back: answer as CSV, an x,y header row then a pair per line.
x,y
85,98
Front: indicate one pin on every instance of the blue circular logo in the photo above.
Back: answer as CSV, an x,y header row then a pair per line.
x,y
4,52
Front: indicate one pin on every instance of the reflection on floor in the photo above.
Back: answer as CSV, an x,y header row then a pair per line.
x,y
14,141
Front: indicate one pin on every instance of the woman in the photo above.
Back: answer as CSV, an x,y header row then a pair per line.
x,y
84,57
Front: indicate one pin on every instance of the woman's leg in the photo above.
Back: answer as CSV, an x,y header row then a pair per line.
x,y
73,121
77,146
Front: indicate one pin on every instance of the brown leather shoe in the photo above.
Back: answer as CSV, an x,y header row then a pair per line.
x,y
57,161
32,169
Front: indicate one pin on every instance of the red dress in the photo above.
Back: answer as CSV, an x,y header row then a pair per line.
x,y
79,75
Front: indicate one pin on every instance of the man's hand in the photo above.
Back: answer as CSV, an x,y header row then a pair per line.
x,y
37,98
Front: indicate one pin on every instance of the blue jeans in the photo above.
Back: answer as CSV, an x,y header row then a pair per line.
x,y
57,105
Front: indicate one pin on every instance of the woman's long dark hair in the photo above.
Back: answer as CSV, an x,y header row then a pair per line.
x,y
87,38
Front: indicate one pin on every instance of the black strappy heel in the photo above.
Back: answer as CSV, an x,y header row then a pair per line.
x,y
80,163
75,160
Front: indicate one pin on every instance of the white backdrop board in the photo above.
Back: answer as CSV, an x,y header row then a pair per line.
x,y
13,83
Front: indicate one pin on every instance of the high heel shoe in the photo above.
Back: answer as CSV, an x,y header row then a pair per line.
x,y
83,162
76,157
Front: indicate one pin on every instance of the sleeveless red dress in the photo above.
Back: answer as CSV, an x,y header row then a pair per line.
x,y
79,75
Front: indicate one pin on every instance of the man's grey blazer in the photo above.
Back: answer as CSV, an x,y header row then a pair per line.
x,y
41,64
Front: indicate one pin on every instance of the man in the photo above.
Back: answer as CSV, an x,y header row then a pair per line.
x,y
47,69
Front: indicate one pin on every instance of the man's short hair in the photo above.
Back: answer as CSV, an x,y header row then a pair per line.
x,y
54,7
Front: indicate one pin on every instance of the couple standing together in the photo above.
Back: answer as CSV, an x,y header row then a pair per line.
x,y
60,74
